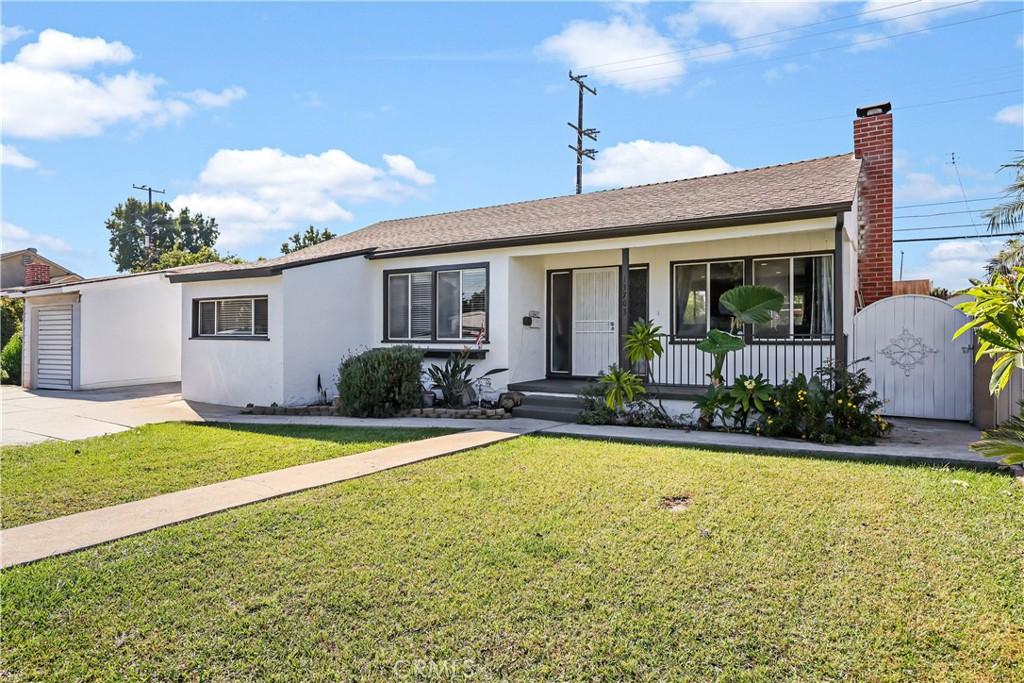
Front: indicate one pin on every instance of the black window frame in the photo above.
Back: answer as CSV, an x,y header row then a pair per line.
x,y
707,263
386,338
196,305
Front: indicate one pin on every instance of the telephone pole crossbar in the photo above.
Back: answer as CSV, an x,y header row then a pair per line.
x,y
581,131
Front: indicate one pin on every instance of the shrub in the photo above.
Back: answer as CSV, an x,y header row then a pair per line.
x,y
837,404
381,382
455,379
11,311
10,360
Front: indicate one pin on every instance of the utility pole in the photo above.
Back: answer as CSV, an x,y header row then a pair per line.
x,y
582,132
149,218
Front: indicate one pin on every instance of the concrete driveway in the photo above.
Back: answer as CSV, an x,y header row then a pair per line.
x,y
32,416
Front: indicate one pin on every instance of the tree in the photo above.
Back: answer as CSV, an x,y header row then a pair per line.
x,y
175,258
128,225
1009,214
1009,257
11,312
997,318
301,240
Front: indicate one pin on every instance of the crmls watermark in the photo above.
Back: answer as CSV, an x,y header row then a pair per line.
x,y
429,669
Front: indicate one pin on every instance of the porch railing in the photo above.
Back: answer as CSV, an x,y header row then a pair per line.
x,y
683,364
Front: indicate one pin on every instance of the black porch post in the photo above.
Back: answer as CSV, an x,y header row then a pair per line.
x,y
623,308
838,295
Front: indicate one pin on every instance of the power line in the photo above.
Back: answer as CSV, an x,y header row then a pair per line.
x,y
937,227
956,201
836,47
960,237
581,132
941,213
757,35
731,50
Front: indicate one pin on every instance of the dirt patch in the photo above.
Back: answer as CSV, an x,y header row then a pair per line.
x,y
675,503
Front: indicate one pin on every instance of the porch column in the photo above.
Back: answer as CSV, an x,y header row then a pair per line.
x,y
839,294
623,308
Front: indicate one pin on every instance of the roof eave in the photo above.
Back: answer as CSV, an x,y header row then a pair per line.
x,y
774,216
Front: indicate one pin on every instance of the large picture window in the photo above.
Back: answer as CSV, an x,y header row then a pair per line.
x,y
437,304
234,317
697,288
807,283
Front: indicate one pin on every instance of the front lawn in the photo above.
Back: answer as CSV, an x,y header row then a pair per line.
x,y
543,558
57,478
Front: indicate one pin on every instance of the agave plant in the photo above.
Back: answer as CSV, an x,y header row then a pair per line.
x,y
748,304
454,378
620,387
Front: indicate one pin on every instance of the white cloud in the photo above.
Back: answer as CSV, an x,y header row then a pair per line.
x,y
900,19
745,19
620,39
215,100
9,34
58,51
923,187
10,156
953,264
1013,115
776,72
403,167
14,237
642,161
252,192
45,99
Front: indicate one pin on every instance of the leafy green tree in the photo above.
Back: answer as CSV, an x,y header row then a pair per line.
x,y
168,231
177,257
997,318
11,312
10,360
301,240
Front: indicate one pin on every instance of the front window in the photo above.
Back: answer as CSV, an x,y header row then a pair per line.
x,y
697,290
235,317
807,284
443,304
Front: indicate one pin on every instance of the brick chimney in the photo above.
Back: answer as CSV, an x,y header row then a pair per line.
x,y
37,274
872,143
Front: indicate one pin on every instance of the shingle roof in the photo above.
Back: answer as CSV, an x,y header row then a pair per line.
x,y
195,268
821,182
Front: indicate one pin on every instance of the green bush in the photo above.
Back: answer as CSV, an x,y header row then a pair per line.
x,y
10,360
836,405
10,318
381,382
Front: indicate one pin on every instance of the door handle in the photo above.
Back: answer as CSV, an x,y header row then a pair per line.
x,y
611,326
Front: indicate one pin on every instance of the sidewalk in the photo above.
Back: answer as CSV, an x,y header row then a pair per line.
x,y
32,542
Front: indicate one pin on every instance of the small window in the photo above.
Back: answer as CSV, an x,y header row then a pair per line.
x,y
442,304
698,288
807,285
235,317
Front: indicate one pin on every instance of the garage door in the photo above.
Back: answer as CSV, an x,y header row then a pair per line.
x,y
53,344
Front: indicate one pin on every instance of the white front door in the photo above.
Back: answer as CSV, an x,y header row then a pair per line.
x,y
595,313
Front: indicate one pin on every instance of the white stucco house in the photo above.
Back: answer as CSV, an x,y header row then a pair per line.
x,y
544,288
547,288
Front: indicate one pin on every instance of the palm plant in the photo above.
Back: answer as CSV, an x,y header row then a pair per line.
x,y
748,304
1005,441
1009,214
643,345
620,387
1009,257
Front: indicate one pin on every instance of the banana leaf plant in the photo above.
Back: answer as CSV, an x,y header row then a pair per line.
x,y
748,304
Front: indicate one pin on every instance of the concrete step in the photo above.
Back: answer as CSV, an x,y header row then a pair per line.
x,y
562,408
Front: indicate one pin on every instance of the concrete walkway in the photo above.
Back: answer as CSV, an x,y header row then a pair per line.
x,y
32,542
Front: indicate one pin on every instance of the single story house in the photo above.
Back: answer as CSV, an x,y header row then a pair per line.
x,y
27,267
547,288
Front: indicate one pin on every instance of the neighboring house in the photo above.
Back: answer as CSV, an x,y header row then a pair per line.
x,y
26,267
548,287
102,332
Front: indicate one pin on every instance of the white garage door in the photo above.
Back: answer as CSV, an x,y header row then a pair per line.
x,y
53,348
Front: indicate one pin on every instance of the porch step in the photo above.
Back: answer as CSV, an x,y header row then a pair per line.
x,y
546,407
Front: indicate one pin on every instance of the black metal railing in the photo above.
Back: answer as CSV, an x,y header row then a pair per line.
x,y
777,360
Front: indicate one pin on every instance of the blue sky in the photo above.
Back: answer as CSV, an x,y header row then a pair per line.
x,y
273,116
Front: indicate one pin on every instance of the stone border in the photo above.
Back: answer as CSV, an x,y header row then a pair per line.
x,y
328,411
296,410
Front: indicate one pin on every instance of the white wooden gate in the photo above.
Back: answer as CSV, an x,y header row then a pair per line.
x,y
595,311
53,347
915,365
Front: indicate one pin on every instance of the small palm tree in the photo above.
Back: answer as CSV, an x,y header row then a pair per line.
x,y
1005,441
620,387
1009,257
1009,214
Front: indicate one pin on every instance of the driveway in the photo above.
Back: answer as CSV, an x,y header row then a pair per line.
x,y
32,416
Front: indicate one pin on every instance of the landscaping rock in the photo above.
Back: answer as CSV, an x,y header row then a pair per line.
x,y
510,400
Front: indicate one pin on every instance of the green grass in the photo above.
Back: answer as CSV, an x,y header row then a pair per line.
x,y
545,558
57,478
